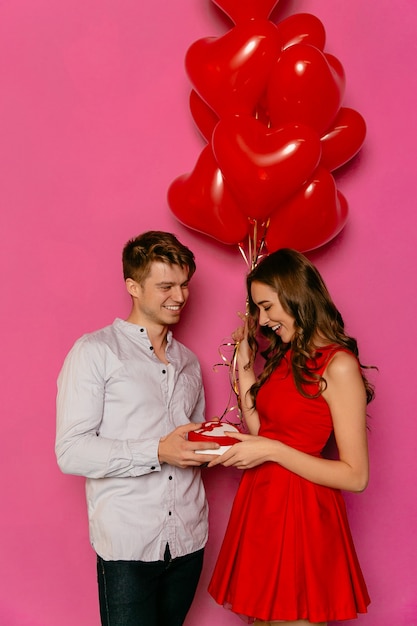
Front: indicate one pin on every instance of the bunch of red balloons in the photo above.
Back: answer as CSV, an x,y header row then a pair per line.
x,y
268,101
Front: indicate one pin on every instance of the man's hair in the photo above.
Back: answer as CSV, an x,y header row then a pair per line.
x,y
154,245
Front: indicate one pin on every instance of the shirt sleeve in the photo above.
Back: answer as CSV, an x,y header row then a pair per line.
x,y
80,449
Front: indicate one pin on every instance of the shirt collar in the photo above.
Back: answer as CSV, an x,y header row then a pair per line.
x,y
137,332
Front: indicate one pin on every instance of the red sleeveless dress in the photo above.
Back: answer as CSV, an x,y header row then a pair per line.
x,y
288,553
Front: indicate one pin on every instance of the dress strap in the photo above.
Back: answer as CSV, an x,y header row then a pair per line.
x,y
325,355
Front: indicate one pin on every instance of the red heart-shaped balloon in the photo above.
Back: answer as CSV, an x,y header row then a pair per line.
x,y
203,115
231,72
311,218
344,139
263,167
338,73
201,201
243,10
343,208
303,88
301,28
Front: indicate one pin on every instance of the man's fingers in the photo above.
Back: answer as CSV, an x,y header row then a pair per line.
x,y
186,428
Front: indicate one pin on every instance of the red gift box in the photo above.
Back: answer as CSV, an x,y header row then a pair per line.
x,y
213,432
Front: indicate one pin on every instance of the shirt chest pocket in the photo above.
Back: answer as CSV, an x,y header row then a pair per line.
x,y
189,388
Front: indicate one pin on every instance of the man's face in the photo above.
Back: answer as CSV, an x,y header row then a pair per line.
x,y
163,294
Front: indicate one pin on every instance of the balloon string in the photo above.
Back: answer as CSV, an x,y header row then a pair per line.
x,y
256,246
261,246
256,250
243,253
231,363
252,243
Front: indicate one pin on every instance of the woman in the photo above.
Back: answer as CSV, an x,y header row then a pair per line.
x,y
288,555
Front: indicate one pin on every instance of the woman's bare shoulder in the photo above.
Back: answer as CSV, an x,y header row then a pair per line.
x,y
342,363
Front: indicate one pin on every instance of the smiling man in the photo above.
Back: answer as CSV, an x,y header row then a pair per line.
x,y
128,394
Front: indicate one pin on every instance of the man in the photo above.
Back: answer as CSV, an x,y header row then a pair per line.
x,y
128,394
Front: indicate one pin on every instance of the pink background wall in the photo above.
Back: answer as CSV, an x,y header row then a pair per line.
x,y
94,126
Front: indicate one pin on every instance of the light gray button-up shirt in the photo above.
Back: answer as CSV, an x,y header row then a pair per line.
x,y
116,399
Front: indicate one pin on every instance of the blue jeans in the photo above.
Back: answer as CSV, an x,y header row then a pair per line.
x,y
137,593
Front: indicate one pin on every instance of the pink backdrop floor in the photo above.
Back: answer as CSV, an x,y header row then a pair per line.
x,y
94,125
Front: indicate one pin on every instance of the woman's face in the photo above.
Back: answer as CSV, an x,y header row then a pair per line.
x,y
271,313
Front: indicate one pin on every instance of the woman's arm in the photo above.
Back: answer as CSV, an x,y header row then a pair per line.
x,y
246,378
345,395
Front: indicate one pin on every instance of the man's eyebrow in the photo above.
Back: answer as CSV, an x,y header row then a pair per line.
x,y
171,283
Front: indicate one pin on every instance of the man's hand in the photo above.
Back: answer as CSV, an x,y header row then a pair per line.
x,y
175,449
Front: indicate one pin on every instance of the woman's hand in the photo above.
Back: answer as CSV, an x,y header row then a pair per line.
x,y
250,452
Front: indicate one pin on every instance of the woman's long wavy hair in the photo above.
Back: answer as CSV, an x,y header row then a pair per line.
x,y
303,295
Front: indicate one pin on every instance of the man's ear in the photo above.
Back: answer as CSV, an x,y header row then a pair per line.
x,y
132,287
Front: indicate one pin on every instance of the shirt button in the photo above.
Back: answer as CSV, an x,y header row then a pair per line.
x,y
151,348
170,513
153,467
170,477
164,371
142,330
